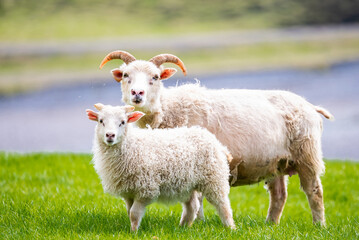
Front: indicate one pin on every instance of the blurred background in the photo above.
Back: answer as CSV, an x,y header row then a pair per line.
x,y
50,52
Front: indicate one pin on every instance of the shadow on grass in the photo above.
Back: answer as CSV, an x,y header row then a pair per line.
x,y
99,221
155,221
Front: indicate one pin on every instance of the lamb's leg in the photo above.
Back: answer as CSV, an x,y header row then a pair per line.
x,y
221,202
278,195
136,213
129,203
190,210
200,214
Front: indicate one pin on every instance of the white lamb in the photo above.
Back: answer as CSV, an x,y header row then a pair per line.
x,y
167,165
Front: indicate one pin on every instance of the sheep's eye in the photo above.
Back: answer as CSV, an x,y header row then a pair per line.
x,y
101,121
155,77
125,75
123,122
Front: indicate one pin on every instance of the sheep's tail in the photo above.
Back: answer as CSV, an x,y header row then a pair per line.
x,y
324,112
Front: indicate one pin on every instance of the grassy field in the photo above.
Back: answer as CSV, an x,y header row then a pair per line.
x,y
53,196
62,19
69,19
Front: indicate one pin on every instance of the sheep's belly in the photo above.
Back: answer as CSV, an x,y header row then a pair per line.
x,y
165,195
171,198
253,172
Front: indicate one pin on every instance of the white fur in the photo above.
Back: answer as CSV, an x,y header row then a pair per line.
x,y
269,133
167,165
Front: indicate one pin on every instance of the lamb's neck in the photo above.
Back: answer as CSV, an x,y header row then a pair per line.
x,y
107,150
111,161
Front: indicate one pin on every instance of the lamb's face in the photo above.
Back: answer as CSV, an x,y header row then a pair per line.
x,y
111,125
112,122
141,84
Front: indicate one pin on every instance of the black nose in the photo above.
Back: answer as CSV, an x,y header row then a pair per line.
x,y
110,135
138,99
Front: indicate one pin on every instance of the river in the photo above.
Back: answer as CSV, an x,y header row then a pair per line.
x,y
54,120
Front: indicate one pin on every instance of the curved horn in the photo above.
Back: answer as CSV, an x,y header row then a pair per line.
x,y
124,56
163,58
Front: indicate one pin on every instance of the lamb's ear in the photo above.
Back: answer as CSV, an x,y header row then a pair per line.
x,y
167,73
117,74
99,106
92,115
134,116
129,108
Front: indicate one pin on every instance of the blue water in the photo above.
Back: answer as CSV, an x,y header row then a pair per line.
x,y
55,120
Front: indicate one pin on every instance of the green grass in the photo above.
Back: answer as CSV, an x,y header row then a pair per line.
x,y
52,196
62,19
52,19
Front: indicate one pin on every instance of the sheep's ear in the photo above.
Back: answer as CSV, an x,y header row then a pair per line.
x,y
117,74
129,108
92,115
167,73
99,106
134,116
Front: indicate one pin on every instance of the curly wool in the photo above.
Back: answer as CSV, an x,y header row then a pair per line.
x,y
162,164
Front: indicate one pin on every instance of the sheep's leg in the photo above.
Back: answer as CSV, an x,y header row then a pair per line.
x,y
136,213
308,156
312,187
200,214
221,202
278,195
129,203
190,210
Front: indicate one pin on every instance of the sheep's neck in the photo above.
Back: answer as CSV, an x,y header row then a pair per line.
x,y
173,112
153,116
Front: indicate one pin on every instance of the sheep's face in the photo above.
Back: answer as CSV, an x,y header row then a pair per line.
x,y
112,122
141,83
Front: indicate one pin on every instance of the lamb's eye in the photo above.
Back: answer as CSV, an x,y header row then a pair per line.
x,y
125,75
123,122
101,121
155,77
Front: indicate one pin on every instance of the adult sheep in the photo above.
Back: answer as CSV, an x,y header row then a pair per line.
x,y
271,134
